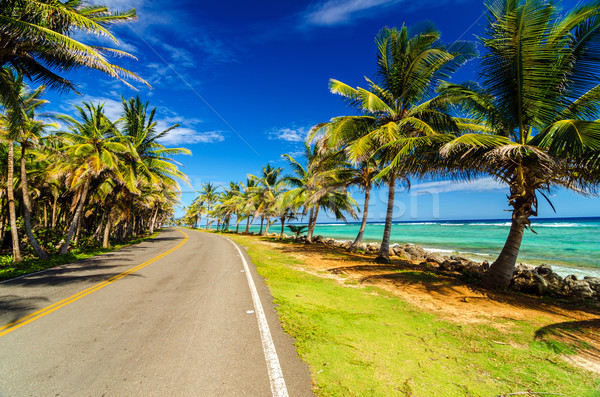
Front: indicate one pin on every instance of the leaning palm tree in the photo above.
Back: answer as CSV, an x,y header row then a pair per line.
x,y
26,130
396,106
92,149
537,106
36,37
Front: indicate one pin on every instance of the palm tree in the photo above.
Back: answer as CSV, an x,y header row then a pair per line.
x,y
26,130
268,186
537,107
396,112
37,40
315,186
208,196
92,148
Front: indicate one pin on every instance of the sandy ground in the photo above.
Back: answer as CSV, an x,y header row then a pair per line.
x,y
450,298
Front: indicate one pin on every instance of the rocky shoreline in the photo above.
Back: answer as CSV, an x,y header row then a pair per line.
x,y
540,280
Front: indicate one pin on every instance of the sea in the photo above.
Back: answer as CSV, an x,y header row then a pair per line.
x,y
569,245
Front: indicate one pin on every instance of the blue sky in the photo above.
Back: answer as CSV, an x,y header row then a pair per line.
x,y
247,80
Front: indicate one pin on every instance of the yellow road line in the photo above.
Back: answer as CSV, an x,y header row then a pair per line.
x,y
49,309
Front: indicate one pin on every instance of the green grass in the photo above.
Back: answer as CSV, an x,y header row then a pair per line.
x,y
10,269
367,342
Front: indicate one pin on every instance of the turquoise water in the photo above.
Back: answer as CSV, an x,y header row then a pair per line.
x,y
569,245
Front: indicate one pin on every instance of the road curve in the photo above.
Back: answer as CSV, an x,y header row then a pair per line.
x,y
171,316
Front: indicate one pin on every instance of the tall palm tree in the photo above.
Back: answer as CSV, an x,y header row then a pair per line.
x,y
208,195
268,186
26,129
37,40
396,106
92,149
537,107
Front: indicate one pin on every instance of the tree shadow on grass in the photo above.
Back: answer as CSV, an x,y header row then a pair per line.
x,y
584,336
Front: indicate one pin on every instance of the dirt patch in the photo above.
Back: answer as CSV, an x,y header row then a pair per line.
x,y
451,298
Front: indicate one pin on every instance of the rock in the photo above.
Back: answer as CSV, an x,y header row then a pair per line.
x,y
485,265
329,241
433,258
318,240
594,283
522,266
544,270
372,248
527,280
362,246
414,252
397,251
450,265
577,288
460,258
555,282
473,269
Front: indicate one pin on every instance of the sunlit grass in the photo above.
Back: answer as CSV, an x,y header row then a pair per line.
x,y
365,341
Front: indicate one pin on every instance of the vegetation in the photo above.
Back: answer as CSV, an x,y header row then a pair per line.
x,y
361,340
531,122
98,181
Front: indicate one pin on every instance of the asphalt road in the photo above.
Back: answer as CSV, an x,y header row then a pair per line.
x,y
182,324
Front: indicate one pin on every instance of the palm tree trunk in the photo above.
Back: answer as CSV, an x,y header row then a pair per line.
x,y
11,203
282,225
262,220
105,242
76,217
153,222
267,227
384,251
361,232
500,273
54,214
77,231
312,222
248,225
2,217
99,227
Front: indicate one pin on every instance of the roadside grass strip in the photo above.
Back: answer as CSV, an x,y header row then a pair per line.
x,y
6,329
360,340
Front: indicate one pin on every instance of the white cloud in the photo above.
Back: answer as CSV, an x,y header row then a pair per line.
x,y
289,134
479,185
334,12
184,135
188,136
112,108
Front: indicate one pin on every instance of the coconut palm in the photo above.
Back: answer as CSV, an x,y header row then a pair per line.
x,y
28,129
208,196
537,106
315,187
268,186
37,40
396,107
92,149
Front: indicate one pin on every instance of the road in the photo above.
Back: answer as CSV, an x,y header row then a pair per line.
x,y
172,316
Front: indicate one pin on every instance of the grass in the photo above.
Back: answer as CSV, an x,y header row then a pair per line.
x,y
365,341
10,269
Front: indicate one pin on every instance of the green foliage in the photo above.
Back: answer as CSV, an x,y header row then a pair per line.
x,y
365,341
298,229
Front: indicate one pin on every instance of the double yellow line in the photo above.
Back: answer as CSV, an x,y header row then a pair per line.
x,y
8,328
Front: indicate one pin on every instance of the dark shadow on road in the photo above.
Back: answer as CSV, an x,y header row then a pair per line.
x,y
57,278
13,307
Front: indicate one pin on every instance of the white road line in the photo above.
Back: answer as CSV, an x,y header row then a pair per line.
x,y
278,387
